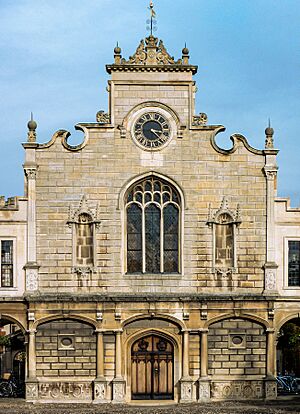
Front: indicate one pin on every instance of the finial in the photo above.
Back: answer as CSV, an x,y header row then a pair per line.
x,y
32,125
269,131
185,55
151,22
117,54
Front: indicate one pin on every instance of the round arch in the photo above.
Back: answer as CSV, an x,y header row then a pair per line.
x,y
233,315
12,319
73,317
286,319
159,316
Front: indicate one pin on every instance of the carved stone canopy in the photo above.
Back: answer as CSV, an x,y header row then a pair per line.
x,y
151,53
224,215
83,209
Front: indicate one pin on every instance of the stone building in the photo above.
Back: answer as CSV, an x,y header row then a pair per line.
x,y
147,262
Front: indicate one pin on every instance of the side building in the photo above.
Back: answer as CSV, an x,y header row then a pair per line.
x,y
147,262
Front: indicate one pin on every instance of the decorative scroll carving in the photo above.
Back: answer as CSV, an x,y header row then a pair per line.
x,y
31,391
237,390
151,52
30,172
270,279
271,390
204,390
100,391
186,391
199,120
65,390
271,174
102,117
31,136
118,391
32,280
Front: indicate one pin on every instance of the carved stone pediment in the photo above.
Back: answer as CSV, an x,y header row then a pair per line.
x,y
151,53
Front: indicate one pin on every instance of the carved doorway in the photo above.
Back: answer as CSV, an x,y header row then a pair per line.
x,y
152,369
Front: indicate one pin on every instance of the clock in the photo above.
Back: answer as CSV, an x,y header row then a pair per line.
x,y
152,130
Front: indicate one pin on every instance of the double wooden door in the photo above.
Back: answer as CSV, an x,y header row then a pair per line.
x,y
152,361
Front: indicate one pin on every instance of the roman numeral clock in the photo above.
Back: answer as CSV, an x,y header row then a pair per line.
x,y
151,130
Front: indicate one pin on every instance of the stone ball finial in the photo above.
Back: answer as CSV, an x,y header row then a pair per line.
x,y
269,131
185,50
117,50
32,125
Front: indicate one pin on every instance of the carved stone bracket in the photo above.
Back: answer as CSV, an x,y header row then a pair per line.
x,y
102,117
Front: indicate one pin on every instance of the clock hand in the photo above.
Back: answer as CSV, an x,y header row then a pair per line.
x,y
156,132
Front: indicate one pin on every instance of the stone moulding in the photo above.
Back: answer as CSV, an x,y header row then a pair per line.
x,y
64,135
235,138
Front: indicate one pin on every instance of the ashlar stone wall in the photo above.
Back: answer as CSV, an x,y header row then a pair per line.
x,y
65,349
236,347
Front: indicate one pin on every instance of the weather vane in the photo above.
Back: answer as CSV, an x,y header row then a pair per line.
x,y
151,23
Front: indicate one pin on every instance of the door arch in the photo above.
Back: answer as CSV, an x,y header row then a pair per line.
x,y
152,368
288,348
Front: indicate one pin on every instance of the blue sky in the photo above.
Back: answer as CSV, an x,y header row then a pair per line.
x,y
53,56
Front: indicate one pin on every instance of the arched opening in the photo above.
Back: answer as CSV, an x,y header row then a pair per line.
x,y
12,359
288,349
152,368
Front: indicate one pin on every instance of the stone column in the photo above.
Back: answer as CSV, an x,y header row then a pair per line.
x,y
100,383
270,267
31,267
270,380
118,381
31,381
204,381
186,383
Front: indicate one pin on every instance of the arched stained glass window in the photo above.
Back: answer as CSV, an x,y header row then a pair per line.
x,y
153,227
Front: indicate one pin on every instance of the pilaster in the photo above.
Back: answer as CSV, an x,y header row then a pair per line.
x,y
204,381
100,383
186,382
118,382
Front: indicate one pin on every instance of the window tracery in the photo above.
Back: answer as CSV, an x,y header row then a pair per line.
x,y
153,227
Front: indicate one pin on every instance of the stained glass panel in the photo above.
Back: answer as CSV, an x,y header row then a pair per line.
x,y
134,239
152,235
171,231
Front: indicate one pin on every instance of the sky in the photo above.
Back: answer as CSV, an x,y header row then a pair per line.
x,y
53,56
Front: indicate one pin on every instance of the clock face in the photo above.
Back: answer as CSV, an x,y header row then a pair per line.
x,y
151,130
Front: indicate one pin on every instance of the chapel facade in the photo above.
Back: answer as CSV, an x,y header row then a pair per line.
x,y
148,263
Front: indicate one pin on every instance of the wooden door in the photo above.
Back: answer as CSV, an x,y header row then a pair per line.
x,y
152,360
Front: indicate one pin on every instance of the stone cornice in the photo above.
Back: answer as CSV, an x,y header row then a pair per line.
x,y
151,68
